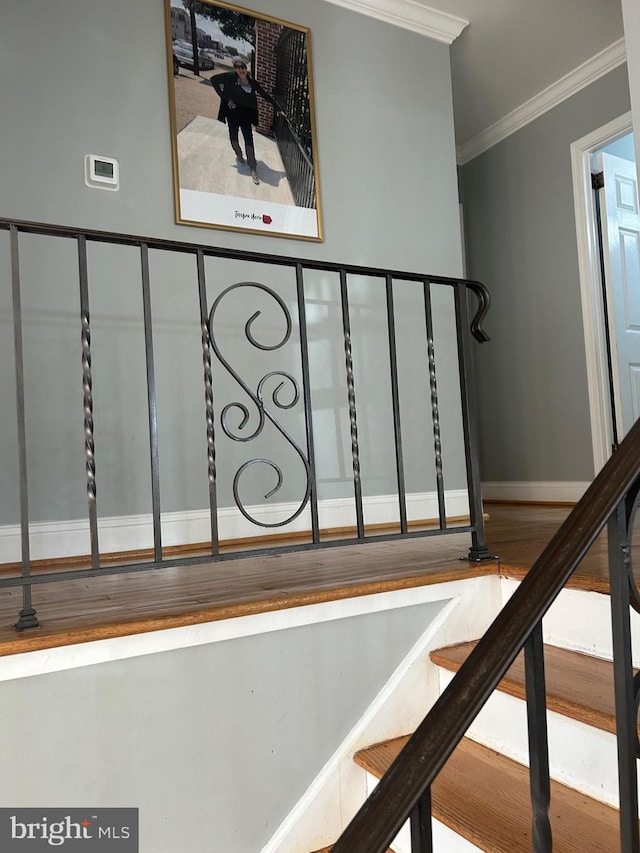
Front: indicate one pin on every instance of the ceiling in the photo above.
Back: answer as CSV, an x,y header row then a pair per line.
x,y
510,51
513,49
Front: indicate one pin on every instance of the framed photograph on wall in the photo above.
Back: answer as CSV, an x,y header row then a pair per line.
x,y
242,120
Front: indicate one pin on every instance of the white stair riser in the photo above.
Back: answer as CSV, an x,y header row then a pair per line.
x,y
581,621
445,840
338,790
580,755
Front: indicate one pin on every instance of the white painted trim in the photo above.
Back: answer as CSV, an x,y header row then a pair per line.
x,y
345,750
463,240
551,490
60,658
52,539
468,609
409,15
564,88
591,284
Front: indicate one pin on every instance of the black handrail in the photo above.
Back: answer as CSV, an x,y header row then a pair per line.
x,y
52,230
611,497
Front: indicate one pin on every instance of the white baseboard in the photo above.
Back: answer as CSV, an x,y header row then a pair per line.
x,y
51,539
525,490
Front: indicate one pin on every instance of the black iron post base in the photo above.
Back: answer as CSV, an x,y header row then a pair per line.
x,y
28,619
480,555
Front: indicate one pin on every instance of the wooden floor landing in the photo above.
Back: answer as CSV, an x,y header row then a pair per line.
x,y
118,605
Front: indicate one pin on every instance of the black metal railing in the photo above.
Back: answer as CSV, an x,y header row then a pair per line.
x,y
277,398
404,792
293,130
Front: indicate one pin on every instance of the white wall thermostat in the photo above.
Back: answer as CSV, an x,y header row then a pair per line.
x,y
101,172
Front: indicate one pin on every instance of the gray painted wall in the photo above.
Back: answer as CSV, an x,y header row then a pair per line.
x,y
520,226
631,18
213,744
97,83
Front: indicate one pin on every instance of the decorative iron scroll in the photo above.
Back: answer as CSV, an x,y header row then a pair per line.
x,y
288,386
484,301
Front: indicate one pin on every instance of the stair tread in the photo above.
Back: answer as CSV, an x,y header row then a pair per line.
x,y
484,797
330,848
579,686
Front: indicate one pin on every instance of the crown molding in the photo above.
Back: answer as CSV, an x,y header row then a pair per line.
x,y
564,88
409,15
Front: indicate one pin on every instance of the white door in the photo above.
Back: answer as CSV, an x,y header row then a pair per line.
x,y
620,212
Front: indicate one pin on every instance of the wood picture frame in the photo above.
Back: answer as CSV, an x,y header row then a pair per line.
x,y
242,120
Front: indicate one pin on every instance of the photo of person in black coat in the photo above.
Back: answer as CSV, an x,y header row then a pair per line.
x,y
238,93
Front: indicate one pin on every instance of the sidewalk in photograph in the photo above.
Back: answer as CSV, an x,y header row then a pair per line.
x,y
207,163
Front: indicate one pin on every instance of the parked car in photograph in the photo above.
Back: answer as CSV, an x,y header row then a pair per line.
x,y
183,56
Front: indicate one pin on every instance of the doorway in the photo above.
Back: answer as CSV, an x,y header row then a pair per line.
x,y
608,266
618,222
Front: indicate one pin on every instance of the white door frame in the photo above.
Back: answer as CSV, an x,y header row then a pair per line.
x,y
591,284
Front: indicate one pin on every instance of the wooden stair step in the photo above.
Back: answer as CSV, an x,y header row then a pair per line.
x,y
484,797
330,848
579,686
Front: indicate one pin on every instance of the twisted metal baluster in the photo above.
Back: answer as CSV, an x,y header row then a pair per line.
x,y
87,389
211,436
435,410
353,418
208,399
208,402
351,396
